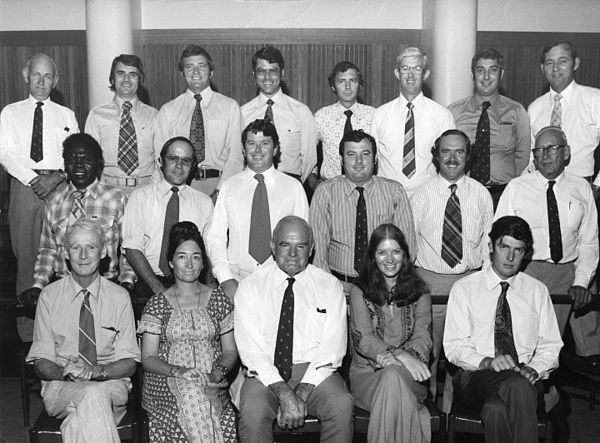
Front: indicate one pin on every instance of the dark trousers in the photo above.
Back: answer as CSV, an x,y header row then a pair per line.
x,y
507,400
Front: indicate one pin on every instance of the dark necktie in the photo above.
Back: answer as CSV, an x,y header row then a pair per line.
x,y
87,333
504,342
360,234
284,346
197,130
348,125
556,249
77,206
409,161
37,150
452,230
269,111
171,217
556,117
127,155
260,223
480,170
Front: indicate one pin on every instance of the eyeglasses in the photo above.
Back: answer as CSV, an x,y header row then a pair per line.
x,y
418,70
262,72
548,150
185,161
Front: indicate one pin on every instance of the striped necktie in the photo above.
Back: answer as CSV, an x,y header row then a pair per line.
x,y
284,346
127,155
452,230
87,333
556,118
197,130
409,160
37,151
504,342
77,206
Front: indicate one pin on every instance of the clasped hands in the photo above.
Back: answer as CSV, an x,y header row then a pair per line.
x,y
417,369
77,369
205,379
293,405
506,363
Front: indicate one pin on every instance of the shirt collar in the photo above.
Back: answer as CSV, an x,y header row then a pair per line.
x,y
92,189
164,188
444,185
119,102
567,94
541,180
417,100
268,174
33,101
206,94
493,99
93,289
349,186
282,276
493,280
341,108
277,98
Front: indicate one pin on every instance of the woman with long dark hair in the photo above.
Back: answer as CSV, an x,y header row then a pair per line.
x,y
390,321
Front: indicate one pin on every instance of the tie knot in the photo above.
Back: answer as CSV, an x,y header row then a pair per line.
x,y
409,105
126,106
198,97
291,281
453,187
78,193
259,178
39,104
86,296
174,189
348,113
557,97
360,190
270,102
485,105
551,184
504,285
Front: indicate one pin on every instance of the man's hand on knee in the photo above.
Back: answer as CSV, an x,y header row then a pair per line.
x,y
292,409
303,390
529,373
498,364
581,296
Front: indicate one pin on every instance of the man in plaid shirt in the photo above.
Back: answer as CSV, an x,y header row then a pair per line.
x,y
84,196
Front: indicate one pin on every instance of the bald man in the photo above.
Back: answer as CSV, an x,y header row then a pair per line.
x,y
31,135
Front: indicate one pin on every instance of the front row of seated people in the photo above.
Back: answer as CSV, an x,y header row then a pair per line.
x,y
290,331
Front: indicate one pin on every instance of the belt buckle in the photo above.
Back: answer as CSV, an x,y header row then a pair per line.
x,y
130,181
201,173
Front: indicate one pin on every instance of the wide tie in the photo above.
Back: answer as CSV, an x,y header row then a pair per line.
x,y
197,130
409,161
171,217
269,111
87,333
480,170
284,346
504,342
555,236
37,151
260,223
127,156
556,118
77,206
360,234
452,230
348,125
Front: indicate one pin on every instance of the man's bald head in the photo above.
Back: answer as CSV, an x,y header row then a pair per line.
x,y
292,244
41,75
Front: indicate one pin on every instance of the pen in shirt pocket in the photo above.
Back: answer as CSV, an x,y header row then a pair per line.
x,y
113,329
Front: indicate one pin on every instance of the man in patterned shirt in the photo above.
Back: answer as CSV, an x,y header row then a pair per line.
x,y
84,196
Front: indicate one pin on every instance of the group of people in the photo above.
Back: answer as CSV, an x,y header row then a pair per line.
x,y
199,214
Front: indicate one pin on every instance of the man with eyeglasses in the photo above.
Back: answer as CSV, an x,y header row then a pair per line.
x,y
406,127
497,126
154,209
293,120
559,207
452,214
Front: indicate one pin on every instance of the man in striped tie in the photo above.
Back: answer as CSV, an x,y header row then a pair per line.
x,y
94,319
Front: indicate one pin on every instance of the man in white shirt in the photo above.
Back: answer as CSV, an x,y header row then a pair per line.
x,y
573,107
234,231
501,332
125,127
432,205
31,135
291,332
293,120
210,120
406,128
154,208
560,209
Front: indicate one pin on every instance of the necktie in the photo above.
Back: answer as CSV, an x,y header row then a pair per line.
x,y
77,207
127,155
556,250
284,346
504,342
409,161
348,125
197,130
360,234
87,334
269,111
260,223
452,230
480,170
556,118
37,151
171,217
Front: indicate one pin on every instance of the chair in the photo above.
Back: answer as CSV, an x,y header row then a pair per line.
x,y
24,380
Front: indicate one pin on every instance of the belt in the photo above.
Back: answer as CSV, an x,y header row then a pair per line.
x,y
129,182
346,278
45,171
203,173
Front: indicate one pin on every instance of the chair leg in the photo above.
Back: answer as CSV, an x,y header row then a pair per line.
x,y
24,390
451,430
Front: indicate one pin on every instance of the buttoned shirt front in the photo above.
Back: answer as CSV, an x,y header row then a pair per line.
x,y
525,196
580,122
104,123
333,218
429,204
144,220
229,233
431,119
56,332
295,126
510,133
102,203
320,324
222,129
16,127
471,314
330,121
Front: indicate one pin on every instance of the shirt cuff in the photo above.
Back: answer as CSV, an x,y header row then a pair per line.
x,y
223,273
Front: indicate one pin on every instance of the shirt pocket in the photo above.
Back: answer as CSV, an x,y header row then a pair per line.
x,y
383,218
575,212
507,136
108,223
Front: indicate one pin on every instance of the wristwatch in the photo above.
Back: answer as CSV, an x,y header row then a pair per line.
x,y
103,375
